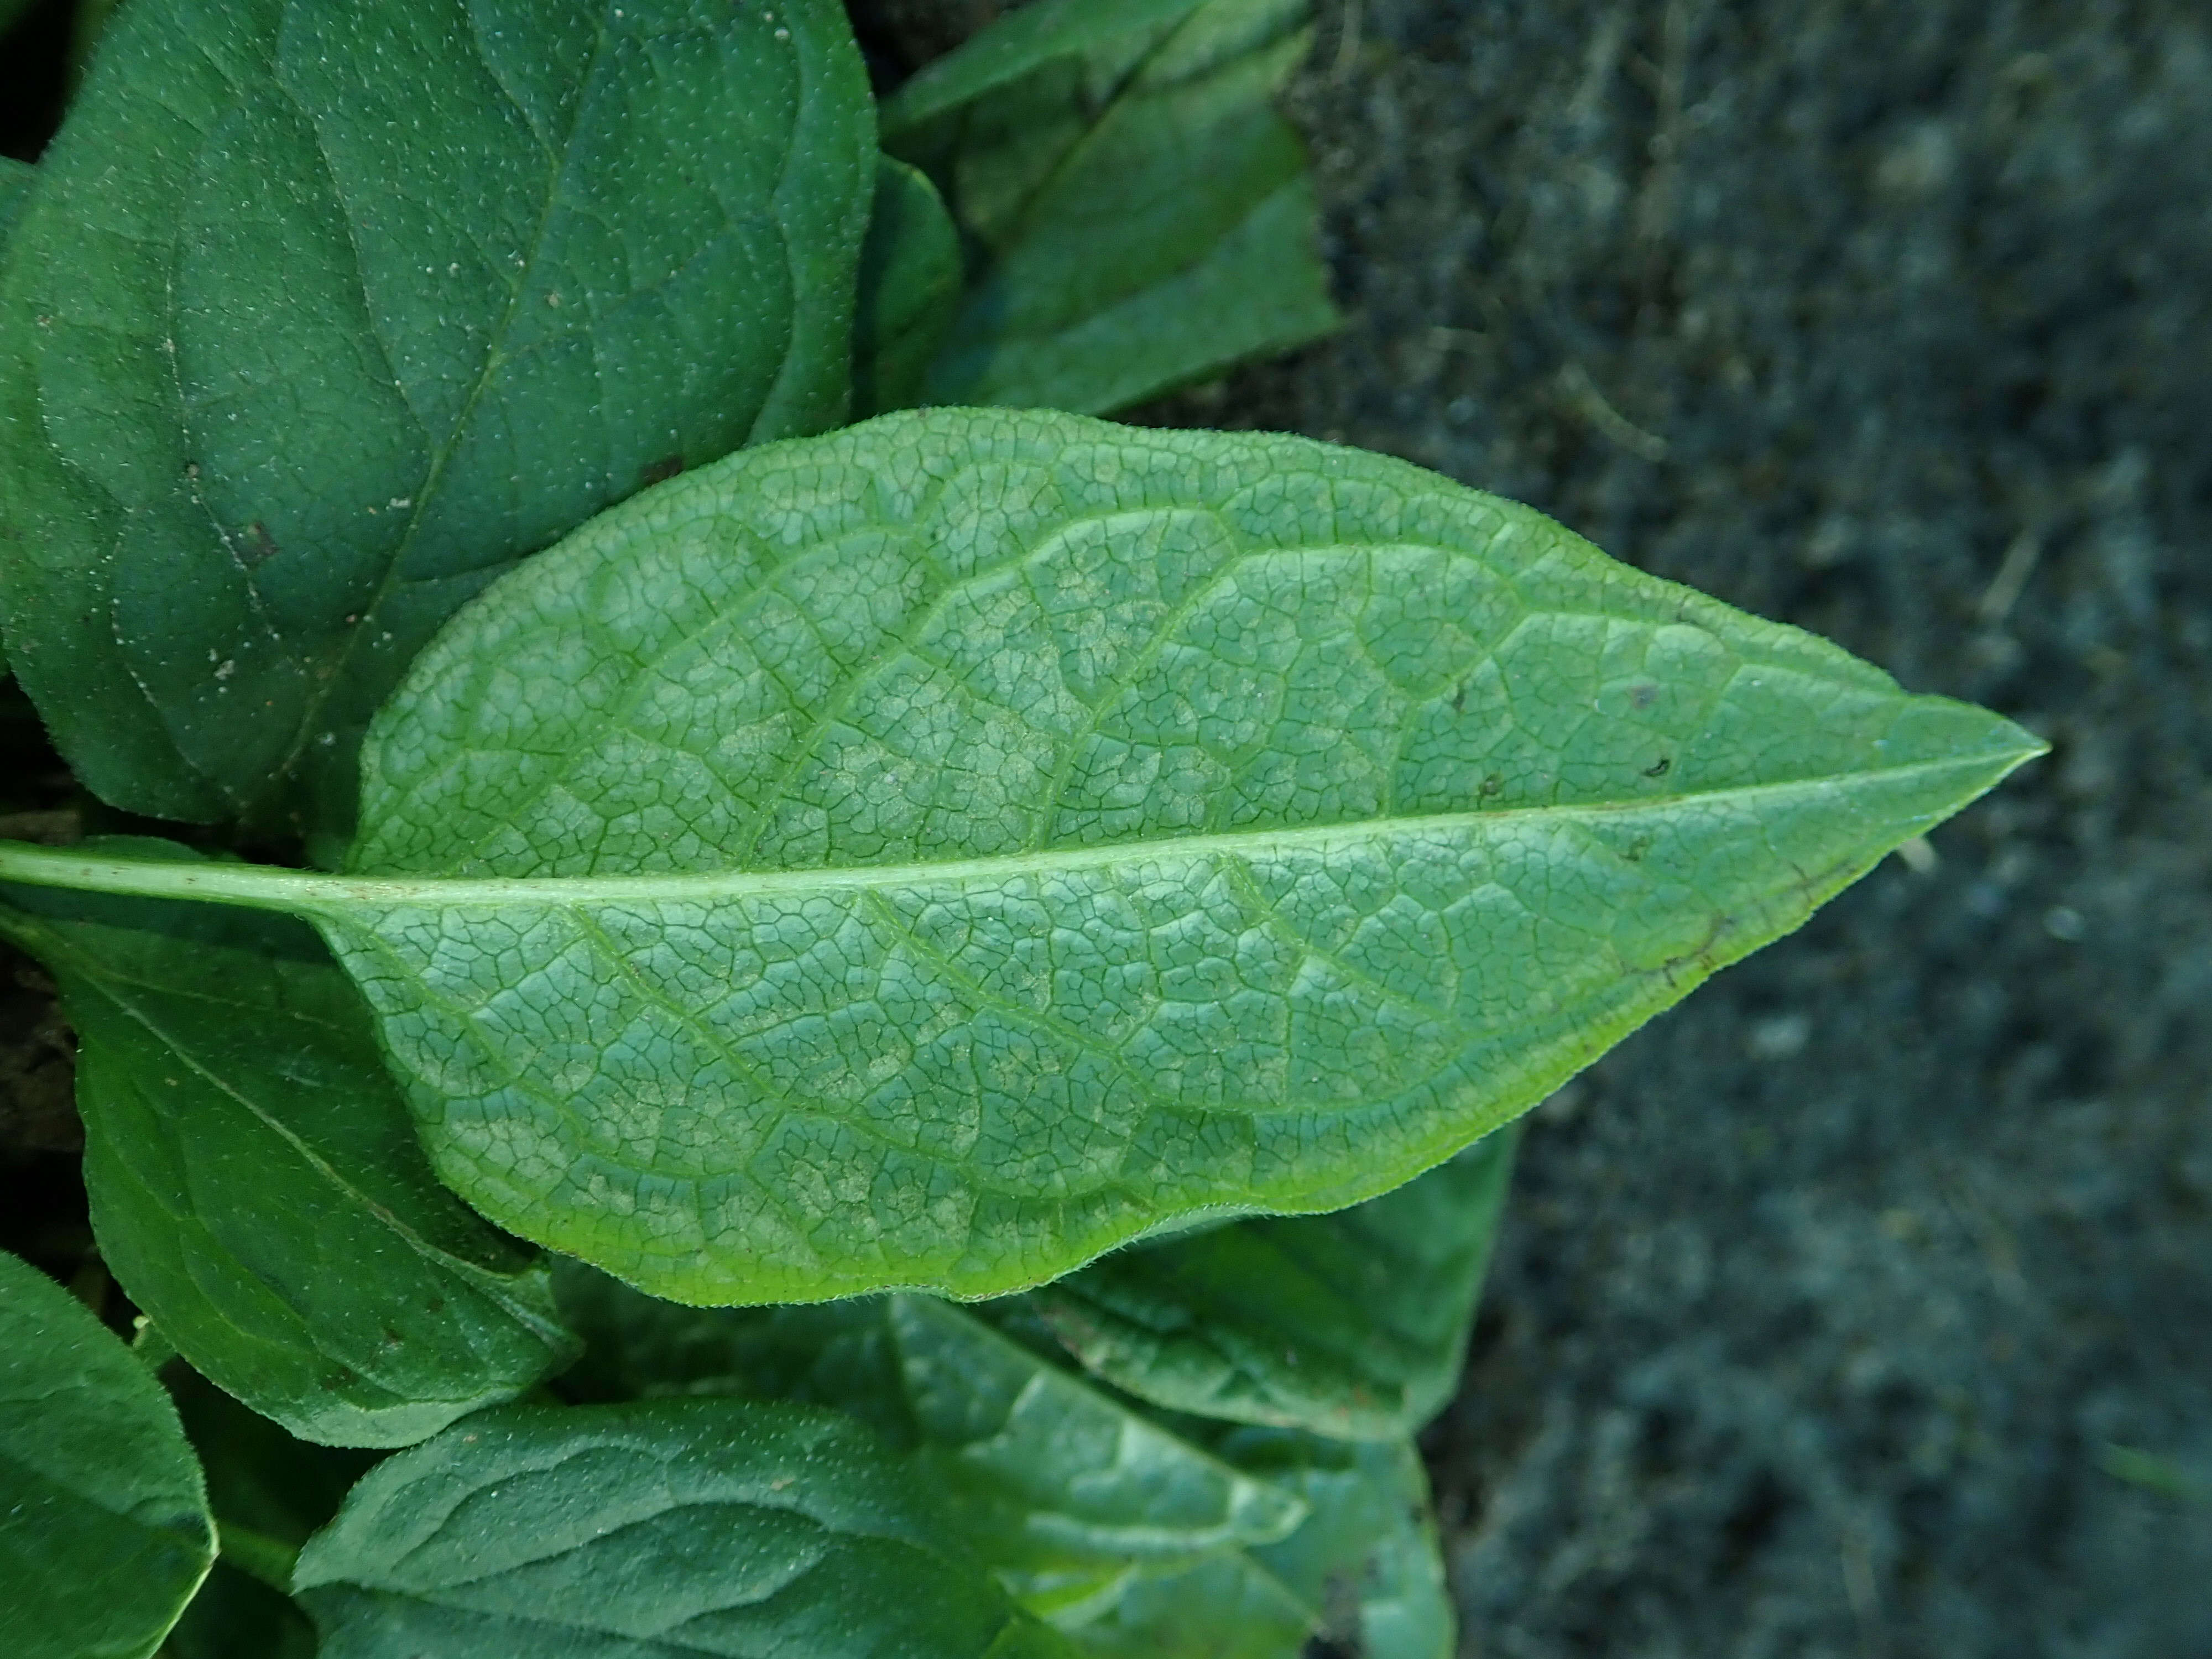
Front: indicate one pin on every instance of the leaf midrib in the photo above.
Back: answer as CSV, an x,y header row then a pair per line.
x,y
301,892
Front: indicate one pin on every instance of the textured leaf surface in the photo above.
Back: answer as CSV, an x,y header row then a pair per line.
x,y
936,853
1133,1535
1067,1493
1350,1324
104,1529
707,1527
255,1180
1145,215
1367,1561
325,315
910,289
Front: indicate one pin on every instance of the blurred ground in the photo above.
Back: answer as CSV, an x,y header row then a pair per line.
x,y
1823,1299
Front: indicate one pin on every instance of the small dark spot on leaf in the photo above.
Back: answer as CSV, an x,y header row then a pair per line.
x,y
1658,768
1644,696
257,545
1493,785
1459,700
660,472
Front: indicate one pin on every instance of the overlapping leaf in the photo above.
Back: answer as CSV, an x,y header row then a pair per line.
x,y
322,316
255,1181
934,854
104,1527
1141,213
709,1527
1138,1537
1067,1494
1350,1324
909,289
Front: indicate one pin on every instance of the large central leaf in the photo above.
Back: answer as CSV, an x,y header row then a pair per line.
x,y
931,855
321,316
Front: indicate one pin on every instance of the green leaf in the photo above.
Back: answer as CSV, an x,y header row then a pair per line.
x,y
323,316
934,854
104,1529
1067,1494
702,1527
1353,1324
15,180
1146,216
909,288
256,1182
1130,1534
1367,1562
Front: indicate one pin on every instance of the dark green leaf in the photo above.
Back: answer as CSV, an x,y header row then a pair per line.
x,y
15,179
104,1527
1350,1324
1130,1534
236,1616
937,853
1066,1492
324,315
1365,1567
255,1180
1146,216
910,289
707,1527
264,1486
259,1479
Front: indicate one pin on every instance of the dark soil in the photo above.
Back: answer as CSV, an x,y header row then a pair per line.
x,y
1829,1306
1824,1300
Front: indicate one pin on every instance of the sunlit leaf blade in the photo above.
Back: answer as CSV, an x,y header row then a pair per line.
x,y
322,316
255,1180
910,287
1145,215
1031,832
104,1527
710,1528
1353,1324
934,854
